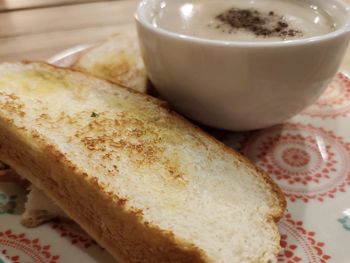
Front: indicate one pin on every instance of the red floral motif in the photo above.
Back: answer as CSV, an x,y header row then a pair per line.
x,y
334,102
288,252
307,162
296,157
299,244
74,234
25,249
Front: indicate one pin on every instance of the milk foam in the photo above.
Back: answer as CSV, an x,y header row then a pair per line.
x,y
197,18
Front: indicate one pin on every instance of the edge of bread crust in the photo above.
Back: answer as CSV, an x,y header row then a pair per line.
x,y
96,45
77,64
130,227
35,218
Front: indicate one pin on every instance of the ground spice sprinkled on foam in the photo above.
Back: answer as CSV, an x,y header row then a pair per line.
x,y
261,24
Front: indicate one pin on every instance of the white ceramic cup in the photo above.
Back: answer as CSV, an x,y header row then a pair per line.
x,y
241,85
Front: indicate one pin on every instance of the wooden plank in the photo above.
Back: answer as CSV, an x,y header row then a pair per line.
x,y
43,46
63,18
10,5
38,34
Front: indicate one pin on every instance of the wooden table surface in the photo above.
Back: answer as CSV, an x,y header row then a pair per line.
x,y
37,29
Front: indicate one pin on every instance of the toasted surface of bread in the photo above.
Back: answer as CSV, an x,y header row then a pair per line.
x,y
140,179
118,60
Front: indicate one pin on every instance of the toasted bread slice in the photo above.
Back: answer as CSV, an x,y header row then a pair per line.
x,y
118,60
140,179
39,209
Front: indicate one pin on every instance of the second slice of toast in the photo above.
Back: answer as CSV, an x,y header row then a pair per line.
x,y
117,59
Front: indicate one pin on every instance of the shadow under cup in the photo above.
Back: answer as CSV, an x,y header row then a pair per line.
x,y
241,85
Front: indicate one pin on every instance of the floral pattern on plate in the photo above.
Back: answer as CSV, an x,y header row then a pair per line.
x,y
299,244
74,234
24,249
335,101
307,162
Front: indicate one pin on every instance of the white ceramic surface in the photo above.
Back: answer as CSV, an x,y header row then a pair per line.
x,y
241,85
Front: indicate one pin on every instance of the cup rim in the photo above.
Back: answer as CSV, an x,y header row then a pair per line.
x,y
344,29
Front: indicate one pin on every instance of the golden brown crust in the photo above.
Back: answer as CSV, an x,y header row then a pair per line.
x,y
126,237
131,239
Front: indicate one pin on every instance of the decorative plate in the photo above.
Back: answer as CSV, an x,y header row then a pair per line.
x,y
309,157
